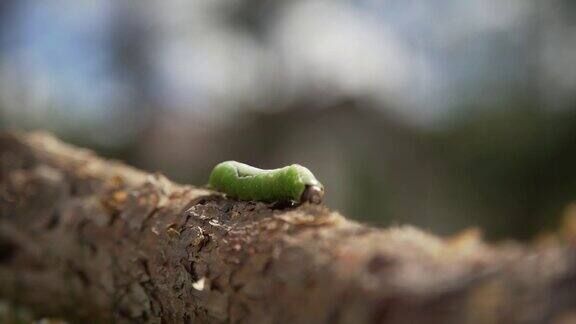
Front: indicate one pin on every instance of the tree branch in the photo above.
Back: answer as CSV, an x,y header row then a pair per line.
x,y
96,240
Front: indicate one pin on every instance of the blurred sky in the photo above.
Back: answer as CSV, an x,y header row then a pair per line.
x,y
424,57
117,73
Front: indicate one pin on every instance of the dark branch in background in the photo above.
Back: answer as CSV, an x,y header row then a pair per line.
x,y
96,240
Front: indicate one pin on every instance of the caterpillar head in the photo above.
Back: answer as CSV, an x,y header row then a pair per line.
x,y
312,194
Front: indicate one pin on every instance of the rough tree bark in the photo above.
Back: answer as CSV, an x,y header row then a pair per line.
x,y
96,240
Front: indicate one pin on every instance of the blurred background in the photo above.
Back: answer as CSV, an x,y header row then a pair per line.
x,y
443,114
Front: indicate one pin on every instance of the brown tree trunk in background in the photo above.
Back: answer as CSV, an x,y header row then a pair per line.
x,y
95,240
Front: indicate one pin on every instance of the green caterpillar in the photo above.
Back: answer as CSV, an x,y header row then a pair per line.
x,y
293,183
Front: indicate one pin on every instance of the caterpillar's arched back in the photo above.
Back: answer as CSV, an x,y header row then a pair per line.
x,y
291,183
